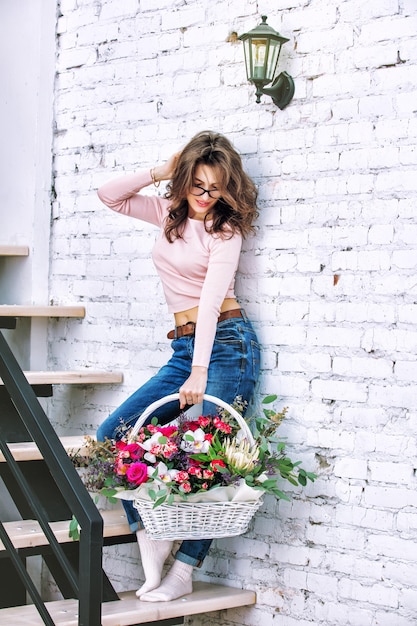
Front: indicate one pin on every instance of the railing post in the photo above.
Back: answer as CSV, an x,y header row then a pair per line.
x,y
68,481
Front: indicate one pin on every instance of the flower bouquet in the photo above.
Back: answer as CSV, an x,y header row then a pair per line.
x,y
198,477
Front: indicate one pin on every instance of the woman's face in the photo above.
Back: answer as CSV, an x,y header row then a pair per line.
x,y
206,178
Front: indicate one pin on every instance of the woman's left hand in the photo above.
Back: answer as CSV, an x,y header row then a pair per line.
x,y
192,391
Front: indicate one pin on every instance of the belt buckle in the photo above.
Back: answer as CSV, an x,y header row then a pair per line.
x,y
192,324
176,329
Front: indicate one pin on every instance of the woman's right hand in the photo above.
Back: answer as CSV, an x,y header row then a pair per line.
x,y
192,391
166,171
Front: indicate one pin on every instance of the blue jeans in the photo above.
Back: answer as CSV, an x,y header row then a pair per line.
x,y
233,371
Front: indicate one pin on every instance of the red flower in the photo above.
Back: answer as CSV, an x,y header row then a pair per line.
x,y
225,428
203,421
216,463
194,463
192,425
137,473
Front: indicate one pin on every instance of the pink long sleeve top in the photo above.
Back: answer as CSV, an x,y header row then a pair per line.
x,y
197,270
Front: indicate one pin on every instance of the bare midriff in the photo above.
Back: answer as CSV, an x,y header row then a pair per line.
x,y
190,315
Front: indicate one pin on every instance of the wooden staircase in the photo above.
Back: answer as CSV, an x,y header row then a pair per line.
x,y
37,473
129,610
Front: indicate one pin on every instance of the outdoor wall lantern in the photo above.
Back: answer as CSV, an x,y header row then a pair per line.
x,y
262,46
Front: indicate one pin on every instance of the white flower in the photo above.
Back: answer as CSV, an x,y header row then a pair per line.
x,y
163,472
241,457
193,441
148,445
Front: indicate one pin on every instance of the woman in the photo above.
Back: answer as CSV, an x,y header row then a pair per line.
x,y
209,207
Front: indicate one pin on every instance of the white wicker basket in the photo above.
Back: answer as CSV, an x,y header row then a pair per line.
x,y
195,520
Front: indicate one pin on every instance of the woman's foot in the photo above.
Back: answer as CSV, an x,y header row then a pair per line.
x,y
178,582
153,555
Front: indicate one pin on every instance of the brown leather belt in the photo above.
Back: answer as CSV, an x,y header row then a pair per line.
x,y
189,327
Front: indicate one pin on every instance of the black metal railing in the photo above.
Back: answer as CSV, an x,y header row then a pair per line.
x,y
86,584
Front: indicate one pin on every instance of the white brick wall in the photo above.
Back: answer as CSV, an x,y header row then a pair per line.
x,y
329,278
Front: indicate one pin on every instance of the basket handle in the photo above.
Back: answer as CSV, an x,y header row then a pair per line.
x,y
175,396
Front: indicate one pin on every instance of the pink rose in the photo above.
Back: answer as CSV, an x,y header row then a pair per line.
x,y
137,473
195,471
135,451
181,477
168,431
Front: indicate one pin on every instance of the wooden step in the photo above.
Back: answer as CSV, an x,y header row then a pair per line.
x,y
28,533
29,310
129,610
28,450
13,250
72,377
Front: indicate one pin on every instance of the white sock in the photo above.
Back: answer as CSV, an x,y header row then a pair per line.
x,y
178,582
153,554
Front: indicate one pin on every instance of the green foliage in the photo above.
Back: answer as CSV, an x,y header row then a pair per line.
x,y
219,456
74,529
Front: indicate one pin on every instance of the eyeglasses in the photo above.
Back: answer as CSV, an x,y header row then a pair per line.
x,y
196,190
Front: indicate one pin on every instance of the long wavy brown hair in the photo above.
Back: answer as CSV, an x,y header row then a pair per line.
x,y
235,211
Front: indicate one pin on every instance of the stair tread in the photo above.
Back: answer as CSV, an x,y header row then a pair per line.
x,y
29,451
74,377
32,310
13,250
129,610
28,533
